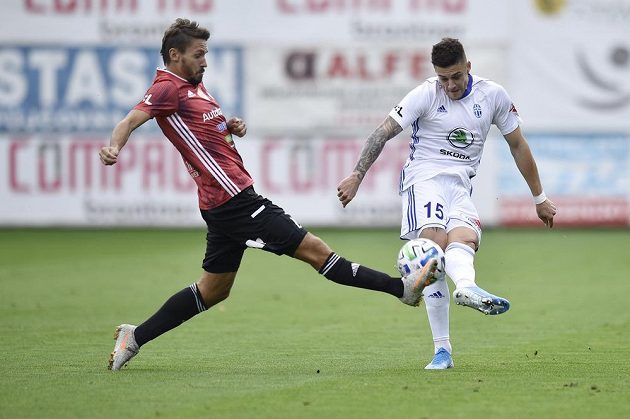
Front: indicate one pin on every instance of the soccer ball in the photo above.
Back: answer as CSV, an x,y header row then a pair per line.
x,y
416,253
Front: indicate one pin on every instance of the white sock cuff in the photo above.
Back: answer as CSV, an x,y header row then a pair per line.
x,y
460,264
460,246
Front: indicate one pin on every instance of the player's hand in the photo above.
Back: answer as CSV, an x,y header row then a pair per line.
x,y
237,127
546,211
348,188
109,155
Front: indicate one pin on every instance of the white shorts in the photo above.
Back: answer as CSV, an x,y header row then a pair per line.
x,y
442,201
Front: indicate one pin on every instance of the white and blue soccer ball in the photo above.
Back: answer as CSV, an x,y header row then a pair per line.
x,y
416,253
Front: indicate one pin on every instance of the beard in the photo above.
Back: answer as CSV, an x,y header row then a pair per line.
x,y
195,79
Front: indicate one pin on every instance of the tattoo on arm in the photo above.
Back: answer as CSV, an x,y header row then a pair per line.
x,y
375,143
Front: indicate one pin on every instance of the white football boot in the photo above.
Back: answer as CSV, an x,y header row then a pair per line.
x,y
125,347
479,299
415,282
442,360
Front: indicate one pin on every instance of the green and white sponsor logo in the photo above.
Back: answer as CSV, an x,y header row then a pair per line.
x,y
461,138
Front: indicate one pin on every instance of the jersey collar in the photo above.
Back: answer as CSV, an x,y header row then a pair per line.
x,y
468,88
170,72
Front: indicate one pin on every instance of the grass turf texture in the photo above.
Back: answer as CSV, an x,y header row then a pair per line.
x,y
289,343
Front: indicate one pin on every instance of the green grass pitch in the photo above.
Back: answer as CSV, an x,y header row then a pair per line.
x,y
290,344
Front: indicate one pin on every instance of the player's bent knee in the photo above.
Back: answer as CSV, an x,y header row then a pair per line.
x,y
438,235
213,297
313,251
215,288
465,236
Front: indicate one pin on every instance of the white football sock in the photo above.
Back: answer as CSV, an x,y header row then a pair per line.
x,y
436,300
460,267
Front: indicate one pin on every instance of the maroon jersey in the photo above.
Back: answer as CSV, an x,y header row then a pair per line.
x,y
193,121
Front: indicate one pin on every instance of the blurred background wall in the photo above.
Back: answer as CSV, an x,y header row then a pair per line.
x,y
312,78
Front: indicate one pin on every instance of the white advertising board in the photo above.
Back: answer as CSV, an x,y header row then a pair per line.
x,y
312,78
262,21
338,90
570,65
60,181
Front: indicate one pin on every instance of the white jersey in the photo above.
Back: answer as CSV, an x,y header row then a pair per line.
x,y
448,135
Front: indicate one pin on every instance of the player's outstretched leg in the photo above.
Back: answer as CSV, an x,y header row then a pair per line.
x,y
125,347
180,307
415,283
441,360
479,299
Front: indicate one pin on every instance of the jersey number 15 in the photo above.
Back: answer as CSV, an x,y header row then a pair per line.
x,y
439,210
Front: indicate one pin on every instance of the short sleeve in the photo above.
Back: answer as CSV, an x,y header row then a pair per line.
x,y
413,106
162,99
506,116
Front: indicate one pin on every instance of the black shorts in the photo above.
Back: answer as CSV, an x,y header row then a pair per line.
x,y
247,220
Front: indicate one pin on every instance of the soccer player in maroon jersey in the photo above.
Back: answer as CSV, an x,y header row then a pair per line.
x,y
236,216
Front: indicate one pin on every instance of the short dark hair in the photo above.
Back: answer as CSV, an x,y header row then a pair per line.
x,y
179,35
447,52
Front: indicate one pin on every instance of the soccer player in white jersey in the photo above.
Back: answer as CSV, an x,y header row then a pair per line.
x,y
450,116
